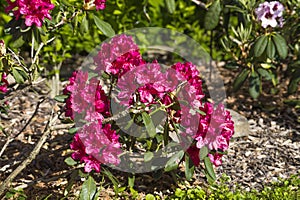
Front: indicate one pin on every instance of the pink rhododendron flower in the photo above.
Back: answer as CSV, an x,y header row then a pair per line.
x,y
215,128
87,98
101,143
3,83
193,152
34,11
216,159
270,13
118,56
81,155
94,145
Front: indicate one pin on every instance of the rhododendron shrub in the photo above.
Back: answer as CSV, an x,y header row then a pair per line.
x,y
142,88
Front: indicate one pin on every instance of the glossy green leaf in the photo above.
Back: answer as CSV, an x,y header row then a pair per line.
x,y
209,168
281,46
212,16
149,124
88,189
240,79
84,26
174,161
189,168
16,74
104,27
260,45
203,152
69,161
61,98
254,85
271,50
171,5
148,156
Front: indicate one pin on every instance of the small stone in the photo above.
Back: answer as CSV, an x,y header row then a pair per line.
x,y
248,153
241,125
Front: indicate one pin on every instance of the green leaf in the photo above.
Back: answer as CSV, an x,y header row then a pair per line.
x,y
255,85
69,161
73,130
149,124
240,79
131,180
18,42
209,168
171,5
265,73
148,156
19,78
61,98
150,197
84,26
104,27
281,46
271,50
260,45
174,161
189,167
203,152
211,19
294,82
88,189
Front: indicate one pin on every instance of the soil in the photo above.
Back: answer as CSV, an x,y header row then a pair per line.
x,y
268,153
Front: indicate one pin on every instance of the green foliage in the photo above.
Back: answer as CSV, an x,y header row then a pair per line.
x,y
284,189
88,190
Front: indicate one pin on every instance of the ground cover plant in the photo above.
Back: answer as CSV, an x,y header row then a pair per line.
x,y
140,94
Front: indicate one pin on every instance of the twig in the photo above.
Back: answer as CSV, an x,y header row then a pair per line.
x,y
9,139
31,156
23,90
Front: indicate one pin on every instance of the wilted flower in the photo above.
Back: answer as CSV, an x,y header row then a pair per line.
x,y
270,13
34,11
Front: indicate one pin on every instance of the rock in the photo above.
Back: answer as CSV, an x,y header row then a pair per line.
x,y
241,125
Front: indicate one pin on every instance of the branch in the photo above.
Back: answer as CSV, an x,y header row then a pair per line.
x,y
199,3
31,156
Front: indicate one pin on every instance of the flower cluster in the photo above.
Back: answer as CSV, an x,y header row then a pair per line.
x,y
118,56
34,11
143,83
3,83
270,13
214,131
83,93
90,4
94,145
